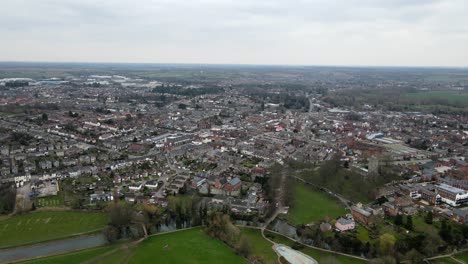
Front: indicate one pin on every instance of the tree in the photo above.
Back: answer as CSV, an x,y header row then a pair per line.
x,y
409,223
45,117
414,257
329,168
120,215
445,231
387,243
222,228
429,218
244,248
398,220
111,233
7,198
431,243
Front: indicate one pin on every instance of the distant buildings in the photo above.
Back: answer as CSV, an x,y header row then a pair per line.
x,y
452,195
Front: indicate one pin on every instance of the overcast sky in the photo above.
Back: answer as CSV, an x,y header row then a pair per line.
x,y
305,32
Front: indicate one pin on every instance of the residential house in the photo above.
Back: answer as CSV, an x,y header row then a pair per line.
x,y
343,224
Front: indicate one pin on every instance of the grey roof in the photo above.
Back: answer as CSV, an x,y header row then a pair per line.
x,y
460,212
361,211
450,188
234,181
344,221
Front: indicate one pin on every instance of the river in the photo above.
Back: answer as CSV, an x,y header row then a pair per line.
x,y
51,248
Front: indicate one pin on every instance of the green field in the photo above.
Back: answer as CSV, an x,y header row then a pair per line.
x,y
42,226
190,246
462,256
445,261
362,234
261,248
312,206
442,97
6,114
72,258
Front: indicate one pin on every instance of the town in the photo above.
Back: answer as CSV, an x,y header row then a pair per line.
x,y
291,153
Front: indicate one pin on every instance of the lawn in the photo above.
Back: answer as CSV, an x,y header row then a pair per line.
x,y
362,234
6,114
421,226
312,206
42,226
72,258
444,261
315,253
190,246
462,256
260,247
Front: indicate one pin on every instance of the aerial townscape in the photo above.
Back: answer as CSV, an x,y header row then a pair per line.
x,y
234,132
164,163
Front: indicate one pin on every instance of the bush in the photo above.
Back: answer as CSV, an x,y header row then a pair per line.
x,y
297,246
111,233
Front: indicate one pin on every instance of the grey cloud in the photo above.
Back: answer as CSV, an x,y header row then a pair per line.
x,y
236,31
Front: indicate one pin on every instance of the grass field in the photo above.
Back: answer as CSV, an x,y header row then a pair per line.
x,y
450,97
260,247
51,201
6,114
445,261
42,226
72,258
362,234
462,256
190,246
312,206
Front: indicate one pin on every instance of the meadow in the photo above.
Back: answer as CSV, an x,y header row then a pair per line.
x,y
190,246
187,246
312,206
454,98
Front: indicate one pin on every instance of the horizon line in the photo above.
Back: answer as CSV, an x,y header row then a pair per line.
x,y
236,64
